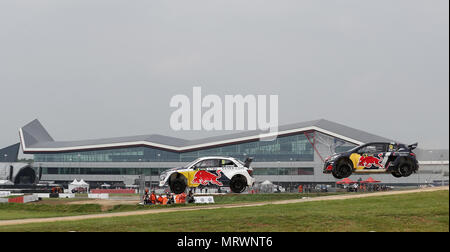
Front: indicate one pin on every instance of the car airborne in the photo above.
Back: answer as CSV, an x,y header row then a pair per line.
x,y
218,171
397,159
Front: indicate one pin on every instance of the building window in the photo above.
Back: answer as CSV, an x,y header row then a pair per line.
x,y
296,148
282,171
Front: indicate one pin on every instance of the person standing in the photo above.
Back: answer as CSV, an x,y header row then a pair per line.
x,y
190,197
153,198
146,197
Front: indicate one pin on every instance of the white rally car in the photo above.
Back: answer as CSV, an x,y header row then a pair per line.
x,y
219,171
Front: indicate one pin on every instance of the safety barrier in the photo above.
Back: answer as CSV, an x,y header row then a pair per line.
x,y
42,195
16,200
30,198
61,195
4,194
204,199
98,196
112,191
21,199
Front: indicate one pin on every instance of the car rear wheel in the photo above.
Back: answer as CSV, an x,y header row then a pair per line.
x,y
238,184
396,174
405,168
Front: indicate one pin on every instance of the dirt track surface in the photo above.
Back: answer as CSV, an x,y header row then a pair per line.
x,y
168,210
105,204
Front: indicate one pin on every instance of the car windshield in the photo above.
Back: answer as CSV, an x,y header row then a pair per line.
x,y
191,164
354,149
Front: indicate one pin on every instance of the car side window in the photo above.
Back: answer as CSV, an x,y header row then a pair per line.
x,y
373,148
226,162
382,147
209,163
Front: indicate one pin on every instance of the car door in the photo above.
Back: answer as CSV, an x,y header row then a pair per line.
x,y
205,173
226,171
372,157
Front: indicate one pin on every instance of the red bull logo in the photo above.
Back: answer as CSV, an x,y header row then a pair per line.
x,y
371,161
205,177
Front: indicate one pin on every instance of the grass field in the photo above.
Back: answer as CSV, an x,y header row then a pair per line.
x,y
60,207
425,211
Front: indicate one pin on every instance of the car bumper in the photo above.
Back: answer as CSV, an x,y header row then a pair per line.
x,y
251,181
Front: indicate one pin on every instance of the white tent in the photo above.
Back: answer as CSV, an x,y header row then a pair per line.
x,y
267,187
6,182
77,184
82,183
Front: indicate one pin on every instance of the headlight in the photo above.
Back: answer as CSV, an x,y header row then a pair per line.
x,y
162,177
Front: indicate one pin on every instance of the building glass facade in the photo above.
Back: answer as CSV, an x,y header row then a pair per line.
x,y
289,148
104,171
283,150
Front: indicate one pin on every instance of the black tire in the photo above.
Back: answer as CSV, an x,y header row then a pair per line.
x,y
343,169
336,174
178,184
405,168
397,175
238,184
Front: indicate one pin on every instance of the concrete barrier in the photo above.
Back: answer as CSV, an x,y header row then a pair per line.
x,y
66,195
61,195
204,199
98,196
112,191
30,198
42,195
4,193
21,199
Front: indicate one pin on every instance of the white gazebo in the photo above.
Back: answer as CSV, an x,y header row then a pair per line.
x,y
105,185
77,184
267,186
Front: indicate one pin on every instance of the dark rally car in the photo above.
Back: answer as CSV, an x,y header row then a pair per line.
x,y
395,158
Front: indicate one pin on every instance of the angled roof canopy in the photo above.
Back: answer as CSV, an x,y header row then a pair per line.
x,y
35,139
10,153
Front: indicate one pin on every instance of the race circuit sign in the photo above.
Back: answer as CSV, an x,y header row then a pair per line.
x,y
204,199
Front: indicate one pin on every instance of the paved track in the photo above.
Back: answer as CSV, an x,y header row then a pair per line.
x,y
195,208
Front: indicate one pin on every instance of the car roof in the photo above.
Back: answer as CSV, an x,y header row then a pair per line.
x,y
216,157
380,143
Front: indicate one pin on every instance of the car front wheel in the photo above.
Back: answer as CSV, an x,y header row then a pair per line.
x,y
178,185
342,170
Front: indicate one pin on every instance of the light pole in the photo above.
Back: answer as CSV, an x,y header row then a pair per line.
x,y
442,165
79,162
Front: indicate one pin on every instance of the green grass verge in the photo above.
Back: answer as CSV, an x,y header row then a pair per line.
x,y
12,211
425,211
58,207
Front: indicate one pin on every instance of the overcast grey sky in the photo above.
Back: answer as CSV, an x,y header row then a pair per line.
x,y
94,69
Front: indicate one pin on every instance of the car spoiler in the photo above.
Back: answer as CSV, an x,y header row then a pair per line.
x,y
248,161
412,146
